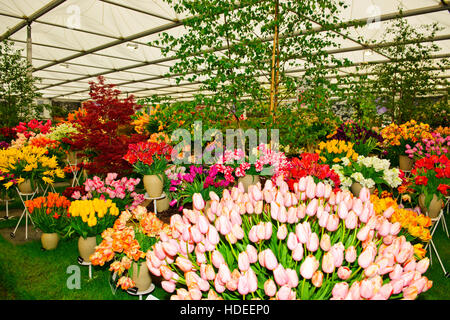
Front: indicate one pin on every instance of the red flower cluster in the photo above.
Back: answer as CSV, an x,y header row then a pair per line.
x,y
33,126
443,188
308,165
146,152
440,165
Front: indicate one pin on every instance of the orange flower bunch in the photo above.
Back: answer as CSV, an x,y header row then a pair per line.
x,y
73,116
417,225
52,201
44,142
443,131
409,132
159,137
126,242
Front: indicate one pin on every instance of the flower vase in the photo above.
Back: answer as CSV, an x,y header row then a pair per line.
x,y
86,247
142,279
356,189
248,180
25,187
153,185
434,208
405,163
49,241
163,204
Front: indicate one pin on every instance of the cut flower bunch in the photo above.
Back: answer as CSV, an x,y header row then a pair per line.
x,y
148,158
332,151
271,243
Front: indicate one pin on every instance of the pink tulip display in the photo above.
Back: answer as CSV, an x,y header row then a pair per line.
x,y
276,257
437,145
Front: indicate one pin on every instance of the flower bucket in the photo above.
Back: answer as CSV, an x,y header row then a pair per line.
x,y
153,184
406,163
434,207
142,279
356,189
49,241
163,204
249,180
86,247
25,187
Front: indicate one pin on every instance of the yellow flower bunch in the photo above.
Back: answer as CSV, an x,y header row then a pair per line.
x,y
91,210
332,151
409,132
141,122
415,224
30,162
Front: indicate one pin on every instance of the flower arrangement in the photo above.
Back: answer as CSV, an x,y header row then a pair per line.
x,y
332,151
63,133
262,161
396,137
414,225
33,127
6,181
76,192
92,217
149,157
443,131
7,134
270,243
431,176
121,191
364,140
437,145
127,242
30,162
198,180
4,145
308,165
50,213
370,172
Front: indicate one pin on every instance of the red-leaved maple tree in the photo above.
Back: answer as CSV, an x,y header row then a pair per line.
x,y
105,130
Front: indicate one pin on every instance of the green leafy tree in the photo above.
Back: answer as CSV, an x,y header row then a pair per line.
x,y
17,87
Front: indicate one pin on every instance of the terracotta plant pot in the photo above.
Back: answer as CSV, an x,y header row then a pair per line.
x,y
86,247
153,184
356,189
49,241
25,187
405,163
163,204
142,279
434,208
248,180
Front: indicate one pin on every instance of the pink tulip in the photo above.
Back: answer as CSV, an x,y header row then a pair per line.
x,y
292,215
285,293
203,224
198,201
274,210
344,273
243,261
184,264
354,291
309,266
367,289
422,265
340,290
311,209
351,221
292,278
301,211
311,190
328,263
325,242
363,233
313,242
397,286
297,253
317,279
323,219
282,214
237,232
196,235
357,206
332,223
270,261
365,258
372,270
203,285
282,232
320,190
350,254
159,251
252,236
252,253
410,265
301,233
224,273
259,207
268,228
243,285
337,251
384,228
280,275
217,259
213,235
170,248
270,288
342,211
292,241
252,280
168,286
395,228
364,194
219,285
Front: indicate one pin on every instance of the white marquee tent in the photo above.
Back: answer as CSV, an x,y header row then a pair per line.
x,y
74,41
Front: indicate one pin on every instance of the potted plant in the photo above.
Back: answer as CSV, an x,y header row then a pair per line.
x,y
89,218
50,215
30,166
431,180
437,145
396,137
150,159
369,172
332,151
125,245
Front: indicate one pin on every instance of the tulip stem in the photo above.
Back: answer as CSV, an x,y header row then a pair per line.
x,y
232,250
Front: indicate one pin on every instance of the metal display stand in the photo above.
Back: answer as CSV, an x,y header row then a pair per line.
x,y
81,262
27,196
134,292
6,201
436,221
76,173
147,197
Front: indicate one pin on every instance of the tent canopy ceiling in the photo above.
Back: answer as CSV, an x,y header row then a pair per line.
x,y
73,41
